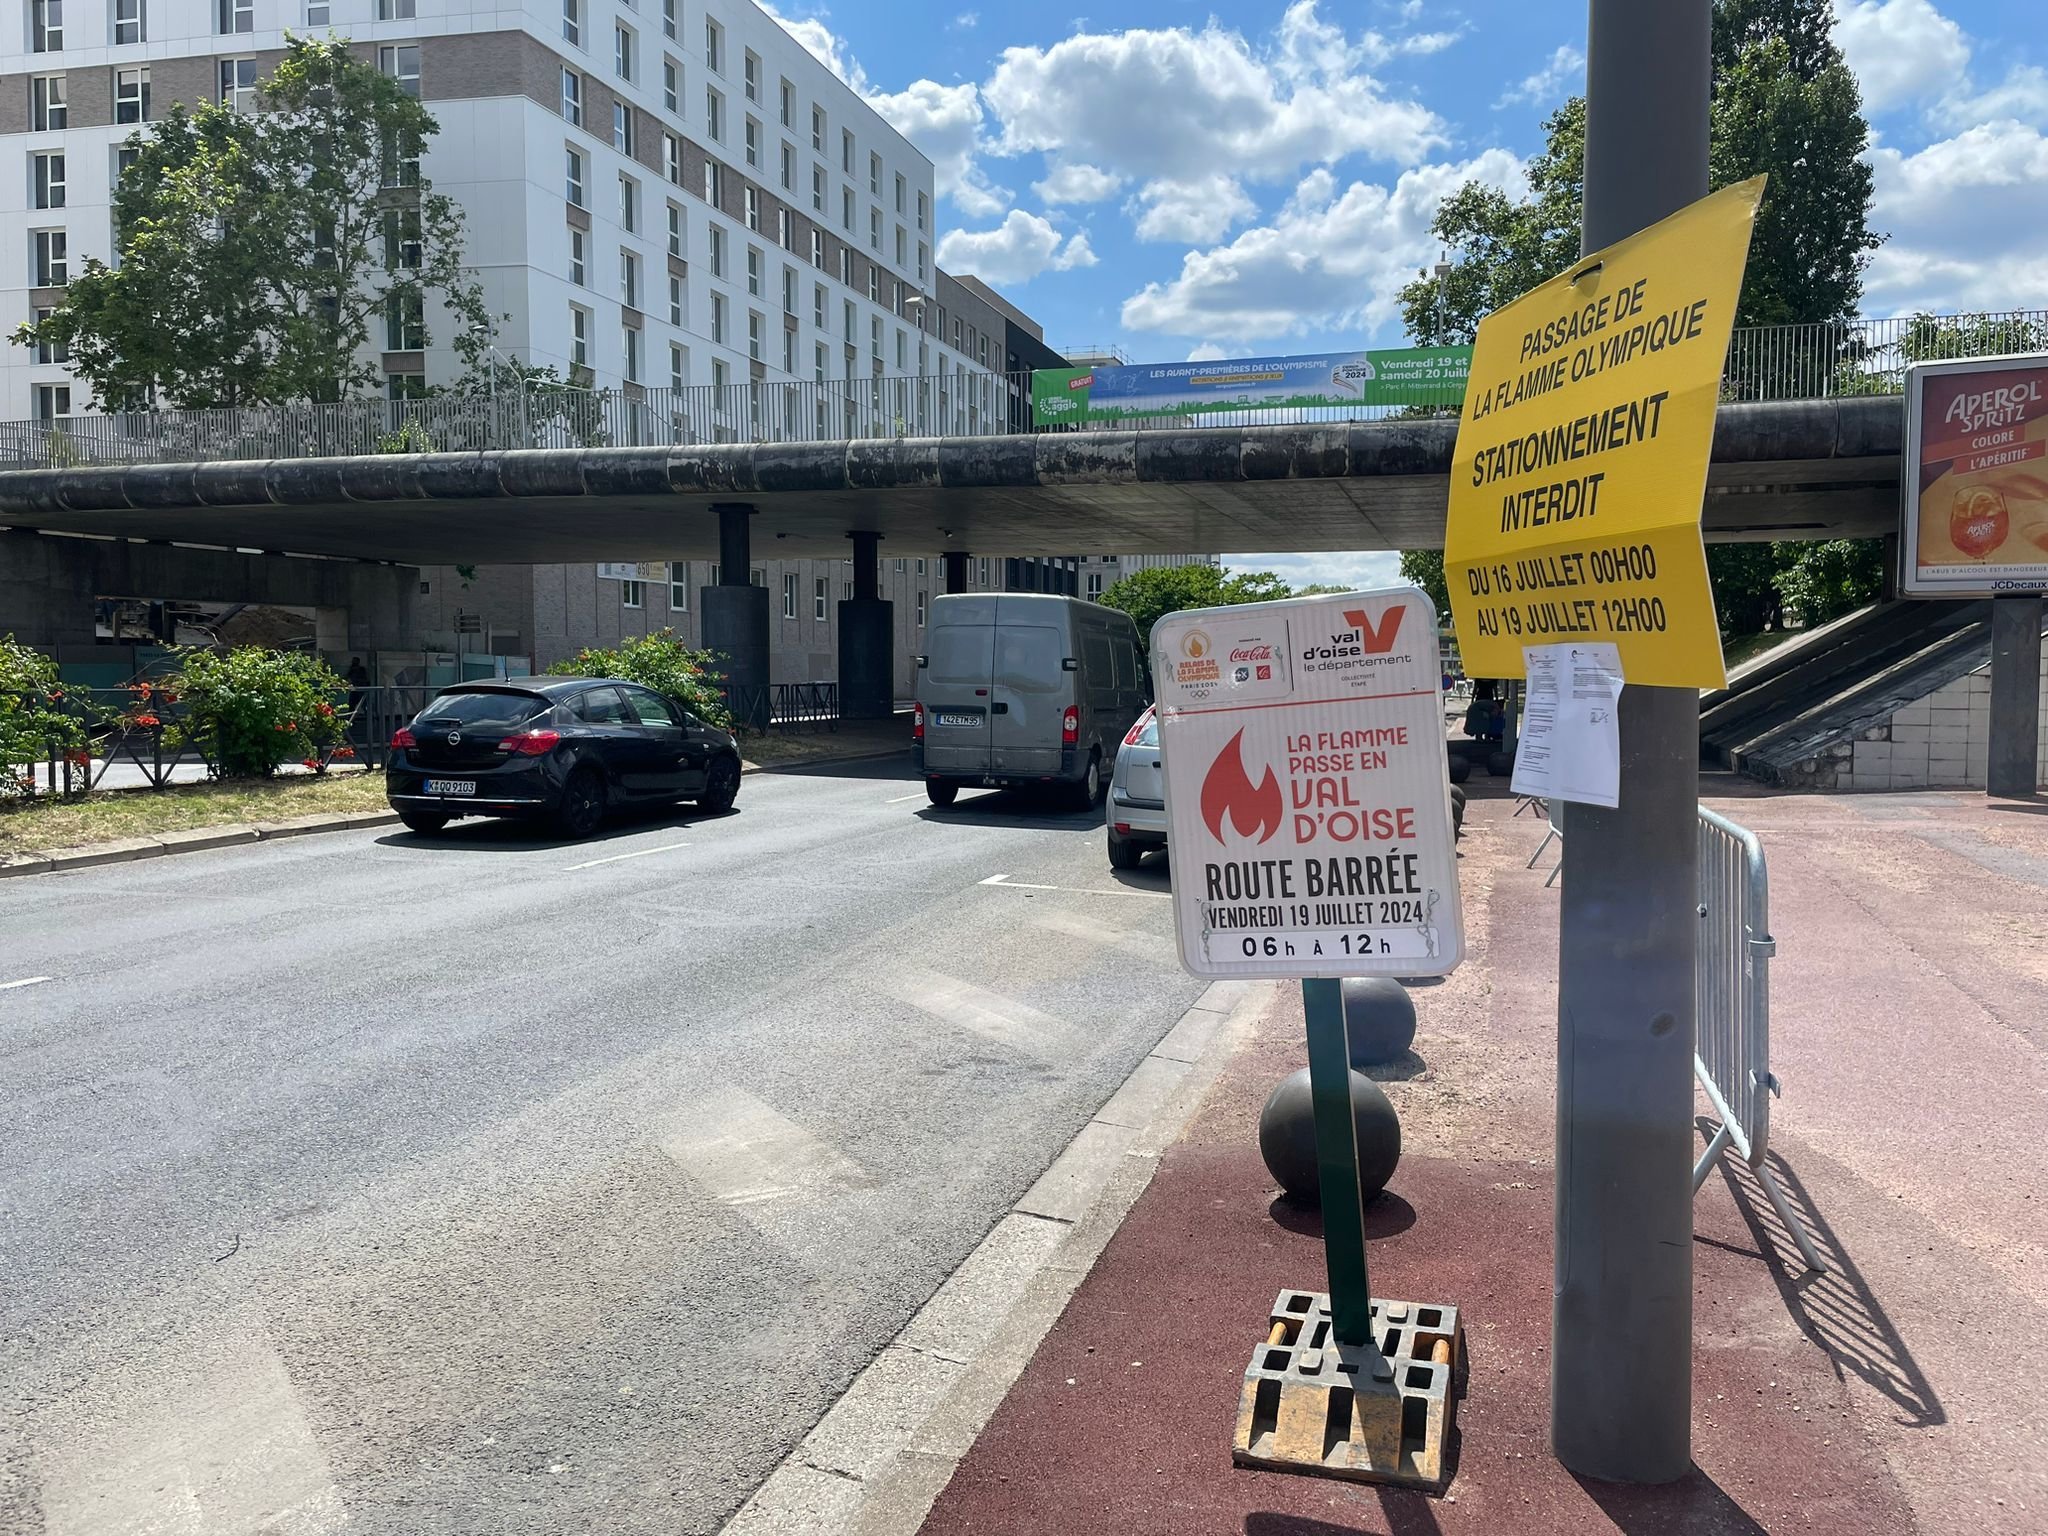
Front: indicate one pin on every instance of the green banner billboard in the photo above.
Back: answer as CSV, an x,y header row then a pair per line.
x,y
1421,376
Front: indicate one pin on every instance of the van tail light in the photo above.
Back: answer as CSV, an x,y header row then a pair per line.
x,y
532,743
1137,729
402,737
1070,726
917,722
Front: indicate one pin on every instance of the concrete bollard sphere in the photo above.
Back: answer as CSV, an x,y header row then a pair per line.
x,y
1287,1138
1379,1017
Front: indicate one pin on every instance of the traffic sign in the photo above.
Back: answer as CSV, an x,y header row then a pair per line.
x,y
1582,454
1307,790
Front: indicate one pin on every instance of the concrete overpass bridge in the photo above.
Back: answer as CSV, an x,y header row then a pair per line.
x,y
1781,470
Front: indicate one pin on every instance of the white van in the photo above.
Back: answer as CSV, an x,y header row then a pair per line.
x,y
1025,688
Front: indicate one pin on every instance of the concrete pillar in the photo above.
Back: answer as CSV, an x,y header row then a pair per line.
x,y
2013,768
867,640
956,570
736,619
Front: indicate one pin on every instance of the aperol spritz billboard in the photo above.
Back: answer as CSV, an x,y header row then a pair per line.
x,y
1975,478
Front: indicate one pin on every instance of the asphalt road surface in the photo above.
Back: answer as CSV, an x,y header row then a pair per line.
x,y
487,1183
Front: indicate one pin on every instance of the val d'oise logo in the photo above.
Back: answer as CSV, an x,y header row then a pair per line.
x,y
1229,791
1374,639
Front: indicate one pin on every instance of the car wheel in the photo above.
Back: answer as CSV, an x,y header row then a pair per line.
x,y
582,809
721,787
1089,790
426,823
1123,853
942,792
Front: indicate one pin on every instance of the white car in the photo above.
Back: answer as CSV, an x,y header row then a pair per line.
x,y
1137,796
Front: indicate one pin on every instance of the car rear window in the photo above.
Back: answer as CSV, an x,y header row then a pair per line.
x,y
504,711
1148,733
1028,658
960,655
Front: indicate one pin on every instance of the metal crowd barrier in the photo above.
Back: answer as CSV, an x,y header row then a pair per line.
x,y
1732,994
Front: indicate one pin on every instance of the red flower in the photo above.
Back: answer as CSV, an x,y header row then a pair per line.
x,y
313,763
148,722
78,759
344,751
326,710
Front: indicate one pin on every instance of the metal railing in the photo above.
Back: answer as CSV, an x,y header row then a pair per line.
x,y
1732,991
1783,362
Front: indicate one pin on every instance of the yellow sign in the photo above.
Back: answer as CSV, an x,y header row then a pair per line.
x,y
1582,454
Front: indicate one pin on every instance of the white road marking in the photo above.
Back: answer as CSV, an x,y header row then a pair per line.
x,y
979,1010
1073,890
1099,930
746,1154
901,798
26,981
637,853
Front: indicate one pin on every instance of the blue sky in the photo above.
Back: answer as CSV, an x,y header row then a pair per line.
x,y
1254,176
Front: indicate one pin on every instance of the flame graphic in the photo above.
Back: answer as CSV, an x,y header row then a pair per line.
x,y
1229,790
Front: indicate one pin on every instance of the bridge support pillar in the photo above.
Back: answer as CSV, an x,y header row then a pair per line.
x,y
2012,768
867,639
956,570
736,619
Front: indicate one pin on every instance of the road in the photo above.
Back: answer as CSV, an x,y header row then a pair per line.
x,y
487,1183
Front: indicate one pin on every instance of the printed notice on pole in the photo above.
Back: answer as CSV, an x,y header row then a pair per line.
x,y
1582,454
1571,736
1308,796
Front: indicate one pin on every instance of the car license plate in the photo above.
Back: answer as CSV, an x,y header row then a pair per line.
x,y
451,786
944,718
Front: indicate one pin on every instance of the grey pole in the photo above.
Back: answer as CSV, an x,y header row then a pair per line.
x,y
1621,1335
2013,765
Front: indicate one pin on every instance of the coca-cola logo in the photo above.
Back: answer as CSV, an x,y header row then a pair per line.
x,y
1251,653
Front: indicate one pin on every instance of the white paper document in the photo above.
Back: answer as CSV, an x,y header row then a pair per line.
x,y
1570,744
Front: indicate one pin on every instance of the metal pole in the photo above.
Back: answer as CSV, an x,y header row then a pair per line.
x,y
2012,765
1621,1337
1329,1083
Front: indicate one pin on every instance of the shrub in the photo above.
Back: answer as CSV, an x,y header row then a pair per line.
x,y
252,708
33,715
659,661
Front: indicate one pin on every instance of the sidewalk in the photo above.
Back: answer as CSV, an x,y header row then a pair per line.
x,y
1901,1392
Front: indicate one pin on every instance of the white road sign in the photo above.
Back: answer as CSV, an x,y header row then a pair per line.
x,y
1307,792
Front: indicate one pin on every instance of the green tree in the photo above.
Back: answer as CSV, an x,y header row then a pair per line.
x,y
659,661
1425,567
250,708
261,254
1823,579
1149,595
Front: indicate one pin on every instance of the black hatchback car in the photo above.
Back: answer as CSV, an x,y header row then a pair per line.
x,y
564,748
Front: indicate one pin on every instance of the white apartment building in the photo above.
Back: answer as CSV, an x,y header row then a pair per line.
x,y
661,192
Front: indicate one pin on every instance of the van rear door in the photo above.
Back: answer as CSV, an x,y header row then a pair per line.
x,y
954,687
1031,691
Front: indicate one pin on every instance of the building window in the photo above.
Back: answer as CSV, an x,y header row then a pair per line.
x,y
718,319
818,189
672,155
402,63
818,366
235,16
629,279
846,209
874,229
785,229
622,128
47,352
396,10
52,258
668,18
923,212
622,52
714,114
902,247
577,271
714,46
405,323
818,599
714,183
751,137
46,26
818,305
572,21
788,104
678,309
920,610
1094,586
755,327
48,110
754,271
788,351
981,571
817,248
572,97
129,22
902,352
405,386
717,251
46,172
675,231
750,73
789,290
53,402
719,379
631,335
846,266
852,337
920,565
629,204
788,167
131,95
875,174
789,597
573,182
238,85
874,285
752,201
672,86
402,248
818,129
579,336
902,567
632,594
678,570
923,263
846,150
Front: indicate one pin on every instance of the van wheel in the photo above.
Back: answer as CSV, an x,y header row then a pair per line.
x,y
943,792
1089,790
1123,853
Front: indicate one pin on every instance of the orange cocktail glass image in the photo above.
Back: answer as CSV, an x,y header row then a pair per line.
x,y
1978,522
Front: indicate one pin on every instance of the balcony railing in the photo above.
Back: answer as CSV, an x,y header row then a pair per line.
x,y
1784,362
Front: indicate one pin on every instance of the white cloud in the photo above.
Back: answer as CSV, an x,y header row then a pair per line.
x,y
1364,568
966,21
1173,105
1015,251
1330,260
823,44
1427,42
945,122
1194,212
2022,97
1967,220
1206,352
1563,75
1900,50
1073,182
